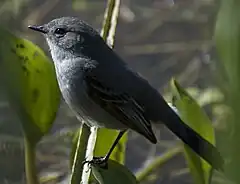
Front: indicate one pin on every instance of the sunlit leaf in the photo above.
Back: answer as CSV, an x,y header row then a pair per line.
x,y
195,117
30,81
116,173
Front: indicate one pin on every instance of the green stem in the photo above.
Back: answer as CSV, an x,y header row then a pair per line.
x,y
30,162
86,139
158,162
89,155
107,19
79,156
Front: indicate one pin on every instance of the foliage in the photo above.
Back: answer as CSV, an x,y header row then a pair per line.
x,y
116,173
32,88
193,115
227,37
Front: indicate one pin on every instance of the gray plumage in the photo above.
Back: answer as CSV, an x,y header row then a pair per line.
x,y
101,89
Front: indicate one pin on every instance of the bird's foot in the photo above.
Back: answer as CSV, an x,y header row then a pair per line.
x,y
99,161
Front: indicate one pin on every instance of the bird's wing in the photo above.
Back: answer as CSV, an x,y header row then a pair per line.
x,y
120,105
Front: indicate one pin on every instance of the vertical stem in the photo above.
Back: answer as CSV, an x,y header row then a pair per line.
x,y
89,154
108,32
110,22
107,19
79,155
30,159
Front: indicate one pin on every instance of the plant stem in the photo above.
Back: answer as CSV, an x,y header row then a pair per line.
x,y
157,162
30,162
108,32
89,155
79,154
110,22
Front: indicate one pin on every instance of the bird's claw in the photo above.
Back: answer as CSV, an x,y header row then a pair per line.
x,y
97,161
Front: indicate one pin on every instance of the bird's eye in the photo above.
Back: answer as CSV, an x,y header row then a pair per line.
x,y
60,31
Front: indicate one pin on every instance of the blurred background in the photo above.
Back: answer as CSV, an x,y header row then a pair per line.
x,y
160,39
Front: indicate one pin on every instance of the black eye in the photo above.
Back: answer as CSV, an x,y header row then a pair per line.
x,y
60,31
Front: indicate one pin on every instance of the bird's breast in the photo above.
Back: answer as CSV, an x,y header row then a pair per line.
x,y
74,91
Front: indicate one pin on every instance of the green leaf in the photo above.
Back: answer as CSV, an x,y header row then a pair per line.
x,y
31,84
195,117
116,173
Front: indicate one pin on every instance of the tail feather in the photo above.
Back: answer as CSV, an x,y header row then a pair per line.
x,y
196,142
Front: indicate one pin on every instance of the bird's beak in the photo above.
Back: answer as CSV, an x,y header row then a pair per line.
x,y
40,29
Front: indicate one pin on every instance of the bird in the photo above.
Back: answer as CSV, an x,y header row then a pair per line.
x,y
100,88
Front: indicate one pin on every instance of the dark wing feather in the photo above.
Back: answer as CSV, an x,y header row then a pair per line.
x,y
120,105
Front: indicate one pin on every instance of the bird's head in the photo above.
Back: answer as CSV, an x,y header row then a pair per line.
x,y
69,36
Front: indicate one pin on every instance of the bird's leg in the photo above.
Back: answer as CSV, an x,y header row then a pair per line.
x,y
102,161
114,144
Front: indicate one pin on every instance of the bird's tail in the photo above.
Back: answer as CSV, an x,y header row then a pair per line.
x,y
196,142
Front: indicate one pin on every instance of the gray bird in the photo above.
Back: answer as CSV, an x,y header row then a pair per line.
x,y
101,89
